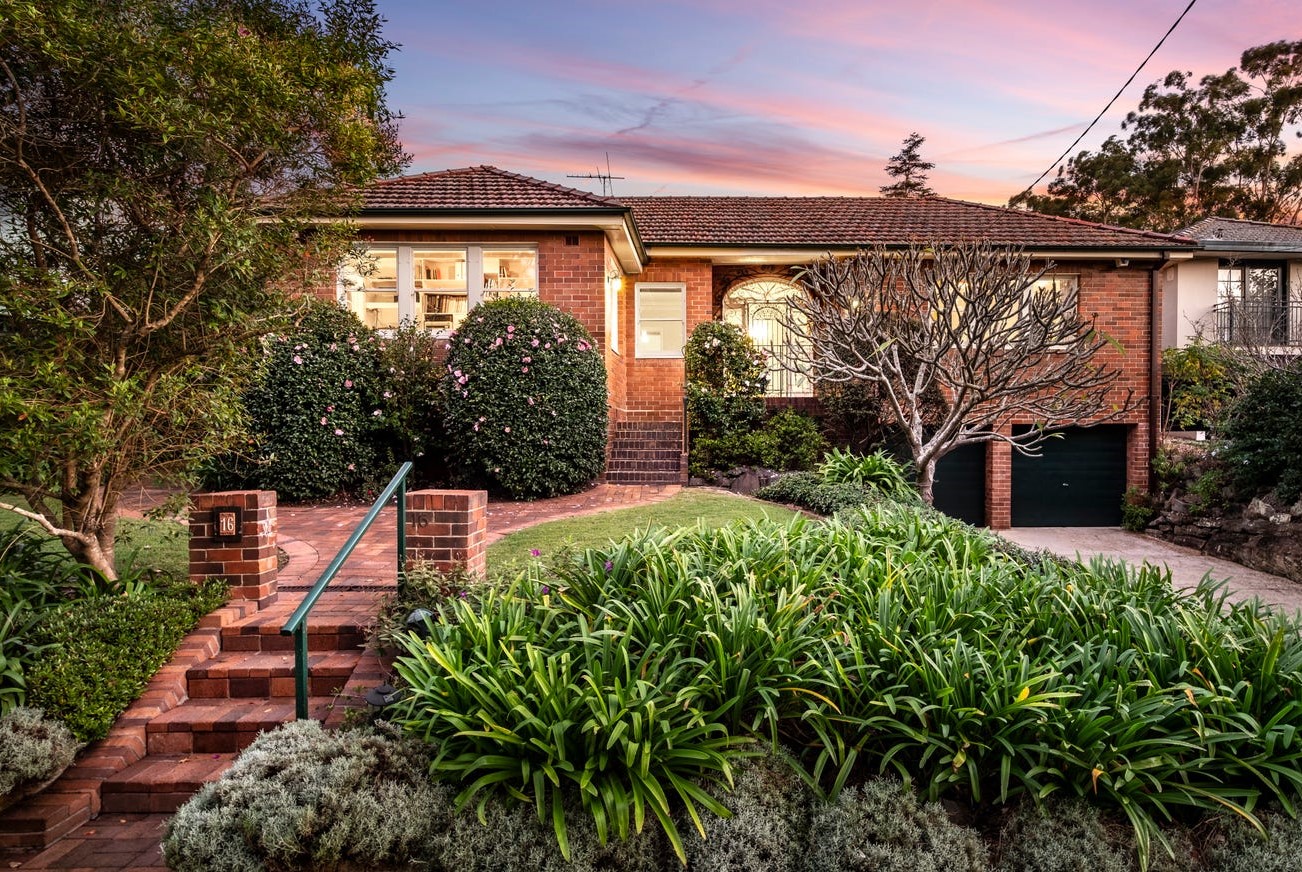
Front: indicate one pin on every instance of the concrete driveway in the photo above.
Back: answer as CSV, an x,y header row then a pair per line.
x,y
1187,566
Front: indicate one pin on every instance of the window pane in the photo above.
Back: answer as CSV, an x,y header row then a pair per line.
x,y
439,278
661,337
661,321
511,270
661,304
370,284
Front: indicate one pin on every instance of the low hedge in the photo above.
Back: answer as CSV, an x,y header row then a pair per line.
x,y
99,653
810,491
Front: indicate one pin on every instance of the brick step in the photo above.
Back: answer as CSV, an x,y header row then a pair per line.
x,y
643,477
669,455
323,635
647,463
241,674
222,726
161,784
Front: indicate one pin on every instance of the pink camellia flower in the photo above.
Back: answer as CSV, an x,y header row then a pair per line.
x,y
348,383
548,345
526,360
462,380
352,466
506,429
298,359
338,432
476,426
375,414
497,341
531,401
510,328
534,343
323,420
524,369
330,408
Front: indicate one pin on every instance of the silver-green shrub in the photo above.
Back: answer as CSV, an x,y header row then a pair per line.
x,y
1075,836
301,797
1243,849
770,808
512,839
882,827
33,748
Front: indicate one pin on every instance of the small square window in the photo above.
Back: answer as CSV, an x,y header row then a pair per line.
x,y
661,319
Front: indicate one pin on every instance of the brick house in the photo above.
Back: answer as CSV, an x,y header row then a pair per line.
x,y
641,272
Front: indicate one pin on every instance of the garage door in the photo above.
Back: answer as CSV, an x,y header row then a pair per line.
x,y
960,487
1078,480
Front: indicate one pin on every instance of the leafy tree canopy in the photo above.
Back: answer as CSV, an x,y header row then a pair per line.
x,y
163,168
1218,145
909,170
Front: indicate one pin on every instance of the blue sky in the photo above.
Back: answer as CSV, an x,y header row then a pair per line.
x,y
767,97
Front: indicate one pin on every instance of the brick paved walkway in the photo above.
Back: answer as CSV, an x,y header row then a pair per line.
x,y
310,536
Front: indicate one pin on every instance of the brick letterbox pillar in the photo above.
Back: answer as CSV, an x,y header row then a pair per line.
x,y
233,536
448,528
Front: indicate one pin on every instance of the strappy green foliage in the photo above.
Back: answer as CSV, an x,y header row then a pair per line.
x,y
888,641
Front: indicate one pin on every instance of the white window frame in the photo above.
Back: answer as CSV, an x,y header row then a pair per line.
x,y
638,288
407,293
614,284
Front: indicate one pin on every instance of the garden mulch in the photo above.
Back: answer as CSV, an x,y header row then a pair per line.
x,y
310,536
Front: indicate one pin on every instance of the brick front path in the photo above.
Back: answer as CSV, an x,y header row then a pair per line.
x,y
310,536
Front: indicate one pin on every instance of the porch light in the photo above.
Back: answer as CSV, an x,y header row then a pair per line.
x,y
759,332
614,281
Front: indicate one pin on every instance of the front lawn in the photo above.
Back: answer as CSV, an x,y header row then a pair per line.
x,y
707,509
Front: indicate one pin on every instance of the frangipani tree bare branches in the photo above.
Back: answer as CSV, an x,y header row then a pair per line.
x,y
1000,338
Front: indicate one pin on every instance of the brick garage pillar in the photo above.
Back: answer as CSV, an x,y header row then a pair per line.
x,y
249,559
999,485
448,528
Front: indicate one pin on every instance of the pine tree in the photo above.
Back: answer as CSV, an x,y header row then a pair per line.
x,y
909,170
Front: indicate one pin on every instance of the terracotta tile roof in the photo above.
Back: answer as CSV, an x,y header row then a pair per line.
x,y
864,221
475,188
1225,231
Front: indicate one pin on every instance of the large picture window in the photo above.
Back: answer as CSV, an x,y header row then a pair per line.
x,y
433,286
661,318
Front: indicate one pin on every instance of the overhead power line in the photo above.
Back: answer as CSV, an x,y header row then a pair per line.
x,y
1115,96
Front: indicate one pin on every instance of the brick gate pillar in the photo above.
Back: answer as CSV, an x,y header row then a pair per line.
x,y
448,528
233,536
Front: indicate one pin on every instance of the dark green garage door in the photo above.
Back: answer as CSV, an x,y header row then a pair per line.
x,y
1077,482
960,488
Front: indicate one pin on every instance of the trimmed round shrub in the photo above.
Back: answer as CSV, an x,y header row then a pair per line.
x,y
33,750
770,808
524,398
882,827
725,380
313,408
300,797
1265,435
811,491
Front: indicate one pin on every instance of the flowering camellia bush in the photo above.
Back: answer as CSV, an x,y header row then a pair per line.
x,y
725,380
316,406
524,399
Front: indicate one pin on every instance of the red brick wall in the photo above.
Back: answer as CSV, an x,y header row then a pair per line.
x,y
616,362
1120,300
655,385
449,529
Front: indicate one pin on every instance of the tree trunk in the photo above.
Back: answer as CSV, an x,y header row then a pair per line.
x,y
98,556
927,480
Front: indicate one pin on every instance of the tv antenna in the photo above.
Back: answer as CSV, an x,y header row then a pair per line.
x,y
607,186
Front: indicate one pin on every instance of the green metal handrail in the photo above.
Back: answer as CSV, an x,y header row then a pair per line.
x,y
296,626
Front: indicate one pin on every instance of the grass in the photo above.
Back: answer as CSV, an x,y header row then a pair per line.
x,y
708,509
141,543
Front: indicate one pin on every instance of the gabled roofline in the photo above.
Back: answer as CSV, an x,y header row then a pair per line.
x,y
792,254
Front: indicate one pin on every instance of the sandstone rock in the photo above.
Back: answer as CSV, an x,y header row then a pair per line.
x,y
1259,508
1281,518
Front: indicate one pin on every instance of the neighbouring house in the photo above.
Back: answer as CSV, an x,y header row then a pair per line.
x,y
641,272
1243,286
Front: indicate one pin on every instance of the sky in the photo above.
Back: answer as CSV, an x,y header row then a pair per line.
x,y
784,97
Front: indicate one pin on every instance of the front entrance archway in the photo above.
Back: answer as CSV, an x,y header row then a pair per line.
x,y
762,308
